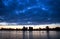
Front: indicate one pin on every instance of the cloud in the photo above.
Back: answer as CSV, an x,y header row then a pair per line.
x,y
5,23
24,12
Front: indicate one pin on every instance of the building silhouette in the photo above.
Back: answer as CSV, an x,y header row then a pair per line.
x,y
24,28
30,28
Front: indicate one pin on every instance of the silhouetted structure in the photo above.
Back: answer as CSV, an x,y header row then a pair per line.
x,y
30,28
57,28
47,28
24,28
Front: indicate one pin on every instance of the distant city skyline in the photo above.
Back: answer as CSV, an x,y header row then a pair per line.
x,y
34,26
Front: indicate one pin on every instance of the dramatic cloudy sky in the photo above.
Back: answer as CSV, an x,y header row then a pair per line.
x,y
30,11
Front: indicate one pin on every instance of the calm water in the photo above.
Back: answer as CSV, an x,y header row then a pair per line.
x,y
29,35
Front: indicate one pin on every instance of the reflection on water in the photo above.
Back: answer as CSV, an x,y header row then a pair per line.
x,y
29,34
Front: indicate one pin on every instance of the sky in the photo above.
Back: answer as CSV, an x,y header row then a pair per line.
x,y
29,12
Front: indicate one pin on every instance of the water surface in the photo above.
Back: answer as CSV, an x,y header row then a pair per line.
x,y
29,34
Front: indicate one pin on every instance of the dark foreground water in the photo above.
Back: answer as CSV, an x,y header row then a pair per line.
x,y
29,35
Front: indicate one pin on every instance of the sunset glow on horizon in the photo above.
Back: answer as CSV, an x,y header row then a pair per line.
x,y
34,26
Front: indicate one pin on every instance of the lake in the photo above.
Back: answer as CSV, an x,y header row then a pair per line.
x,y
29,34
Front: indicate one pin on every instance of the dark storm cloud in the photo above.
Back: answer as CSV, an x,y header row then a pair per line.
x,y
30,11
